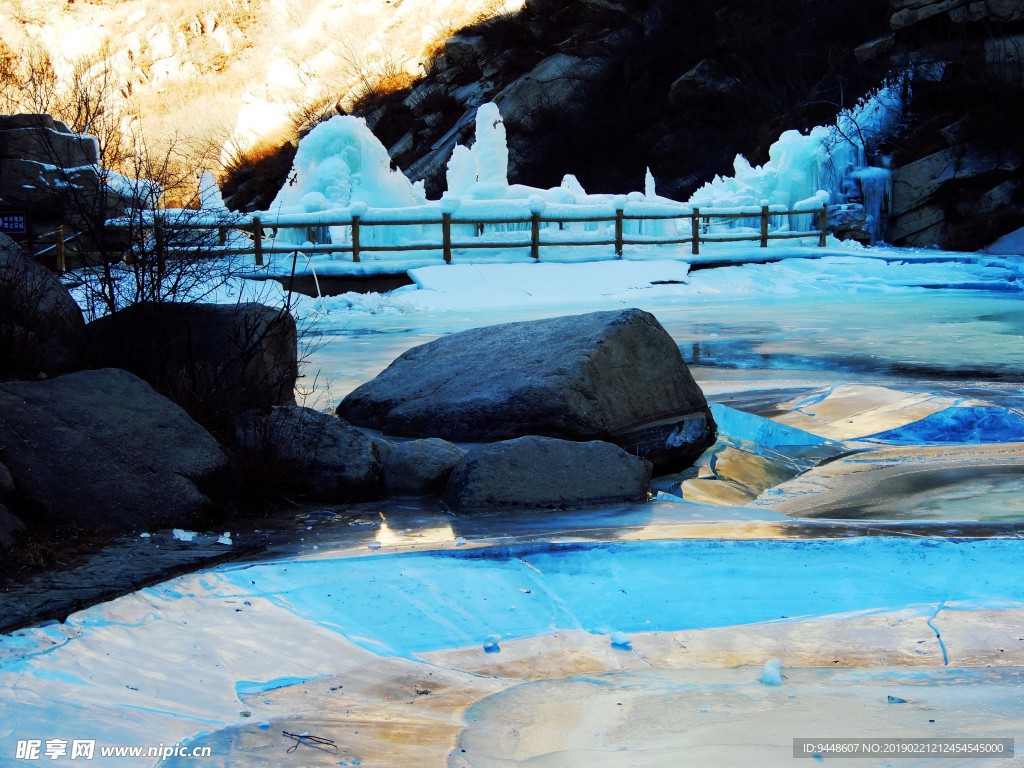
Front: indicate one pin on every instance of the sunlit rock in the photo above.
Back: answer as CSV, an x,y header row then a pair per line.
x,y
615,376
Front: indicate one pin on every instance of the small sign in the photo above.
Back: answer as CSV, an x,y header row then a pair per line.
x,y
13,222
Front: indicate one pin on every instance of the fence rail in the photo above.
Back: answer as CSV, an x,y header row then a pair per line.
x,y
536,224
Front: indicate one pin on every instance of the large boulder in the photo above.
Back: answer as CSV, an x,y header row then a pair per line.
x,y
45,140
55,171
302,452
420,467
215,360
531,472
616,376
41,326
101,449
9,526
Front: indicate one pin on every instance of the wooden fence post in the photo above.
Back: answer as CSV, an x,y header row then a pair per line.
x,y
446,236
257,240
222,235
695,230
355,238
618,231
159,235
535,235
824,225
61,263
764,226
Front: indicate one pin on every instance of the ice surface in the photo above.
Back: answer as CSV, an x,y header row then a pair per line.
x,y
961,424
310,645
759,430
936,482
886,415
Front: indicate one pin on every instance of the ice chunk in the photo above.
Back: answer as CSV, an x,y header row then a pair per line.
x,y
771,674
225,539
182,535
621,642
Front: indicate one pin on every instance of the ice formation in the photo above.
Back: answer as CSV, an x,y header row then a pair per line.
x,y
340,163
482,169
341,167
830,163
210,197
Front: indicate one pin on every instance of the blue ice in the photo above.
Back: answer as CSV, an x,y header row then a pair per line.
x,y
421,602
959,424
759,430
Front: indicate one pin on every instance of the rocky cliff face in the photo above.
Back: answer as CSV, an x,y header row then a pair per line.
x,y
235,72
958,177
606,88
602,89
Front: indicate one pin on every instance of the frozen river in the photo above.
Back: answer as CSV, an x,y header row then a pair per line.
x,y
877,560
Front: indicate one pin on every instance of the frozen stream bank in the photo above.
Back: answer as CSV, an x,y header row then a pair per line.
x,y
376,635
405,659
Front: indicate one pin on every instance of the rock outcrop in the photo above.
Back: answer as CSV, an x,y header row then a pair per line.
x,y
958,180
102,450
55,172
215,360
9,527
309,454
615,376
532,472
420,467
41,326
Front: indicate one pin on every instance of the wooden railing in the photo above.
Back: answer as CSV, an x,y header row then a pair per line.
x,y
358,223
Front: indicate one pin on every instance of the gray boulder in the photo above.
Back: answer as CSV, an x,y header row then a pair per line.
x,y
214,360
310,454
546,472
6,483
420,467
563,80
41,326
616,376
707,80
45,165
45,140
9,526
102,450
